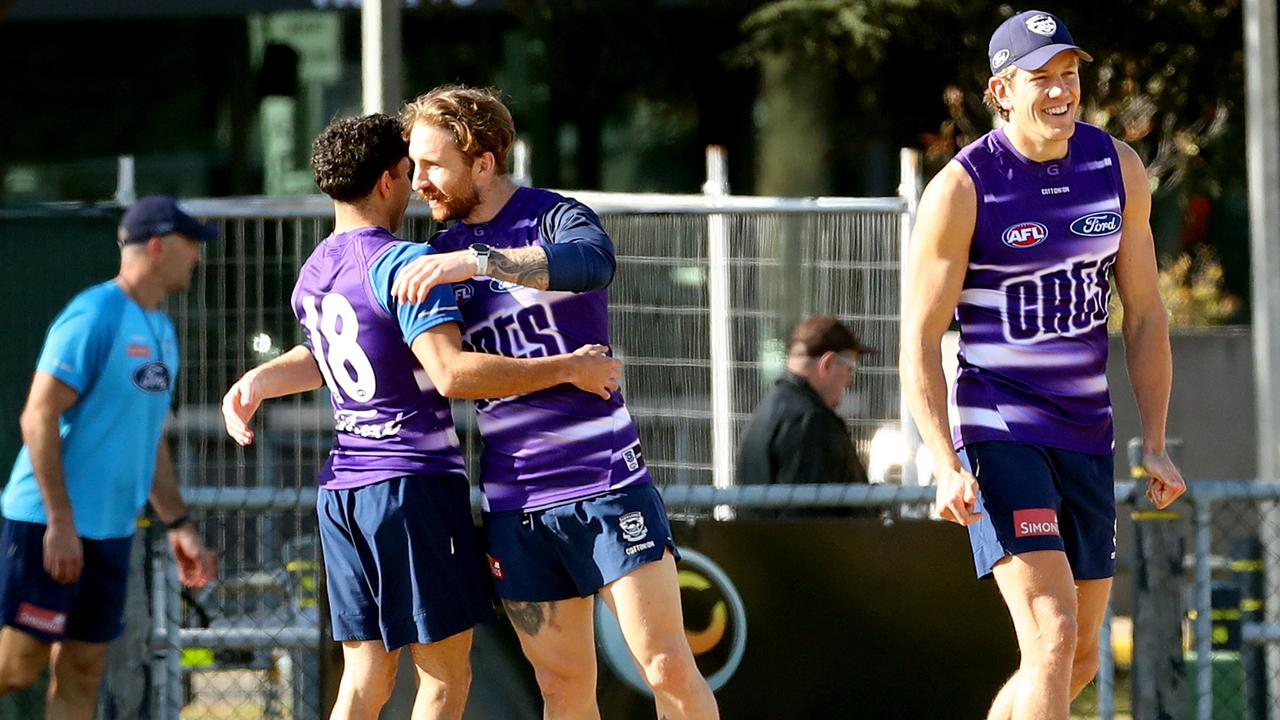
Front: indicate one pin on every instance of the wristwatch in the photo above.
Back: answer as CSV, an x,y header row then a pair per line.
x,y
481,253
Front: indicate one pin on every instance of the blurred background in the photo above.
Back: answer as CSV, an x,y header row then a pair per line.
x,y
857,102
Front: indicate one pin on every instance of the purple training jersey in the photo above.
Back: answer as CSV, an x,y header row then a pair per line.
x,y
1033,310
388,419
559,444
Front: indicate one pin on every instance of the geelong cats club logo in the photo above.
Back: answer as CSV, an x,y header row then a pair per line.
x,y
633,527
1024,235
1042,25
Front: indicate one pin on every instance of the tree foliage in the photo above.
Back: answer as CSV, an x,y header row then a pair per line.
x,y
1167,76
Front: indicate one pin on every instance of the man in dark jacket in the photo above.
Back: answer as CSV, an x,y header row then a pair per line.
x,y
796,436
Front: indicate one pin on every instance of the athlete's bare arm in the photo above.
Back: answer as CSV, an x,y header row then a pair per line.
x,y
197,565
457,373
939,258
523,266
293,372
1146,329
48,400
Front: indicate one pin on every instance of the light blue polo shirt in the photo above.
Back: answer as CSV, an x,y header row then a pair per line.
x,y
123,362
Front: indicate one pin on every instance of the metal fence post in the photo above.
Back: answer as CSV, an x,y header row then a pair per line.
x,y
159,638
1158,676
1106,668
909,189
1204,608
1247,572
720,302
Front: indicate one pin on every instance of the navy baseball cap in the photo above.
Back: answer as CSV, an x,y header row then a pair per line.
x,y
158,215
1028,40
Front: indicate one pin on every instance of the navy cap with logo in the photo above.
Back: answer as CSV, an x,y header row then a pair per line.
x,y
158,215
1028,40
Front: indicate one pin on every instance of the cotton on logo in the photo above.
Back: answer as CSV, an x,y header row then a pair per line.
x,y
1035,522
1024,235
1061,301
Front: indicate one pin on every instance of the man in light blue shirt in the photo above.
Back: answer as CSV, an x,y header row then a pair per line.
x,y
92,456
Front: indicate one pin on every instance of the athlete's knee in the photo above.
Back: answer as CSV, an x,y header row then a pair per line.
x,y
1054,642
448,694
672,672
77,674
1084,666
567,686
18,676
452,681
370,685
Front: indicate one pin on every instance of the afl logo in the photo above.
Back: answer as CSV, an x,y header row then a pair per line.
x,y
1096,224
152,377
462,292
715,622
1025,235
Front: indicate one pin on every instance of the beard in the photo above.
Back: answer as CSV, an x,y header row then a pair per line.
x,y
446,207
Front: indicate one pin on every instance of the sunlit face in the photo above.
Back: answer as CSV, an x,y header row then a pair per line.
x,y
401,189
442,174
1043,103
177,260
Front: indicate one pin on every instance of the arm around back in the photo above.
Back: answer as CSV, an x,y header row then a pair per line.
x,y
458,373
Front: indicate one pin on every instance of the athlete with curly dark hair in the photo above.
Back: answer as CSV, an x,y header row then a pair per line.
x,y
400,551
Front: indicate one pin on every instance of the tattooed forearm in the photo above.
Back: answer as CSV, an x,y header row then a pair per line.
x,y
523,266
529,617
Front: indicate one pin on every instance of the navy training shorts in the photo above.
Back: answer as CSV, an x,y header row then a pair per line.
x,y
574,549
1034,497
402,560
90,609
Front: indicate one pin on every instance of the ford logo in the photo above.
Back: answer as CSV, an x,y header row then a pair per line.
x,y
152,377
1025,235
1097,224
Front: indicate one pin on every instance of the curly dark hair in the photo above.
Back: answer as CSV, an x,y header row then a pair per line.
x,y
351,153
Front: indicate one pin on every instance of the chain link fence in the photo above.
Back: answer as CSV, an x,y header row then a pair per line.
x,y
251,645
705,294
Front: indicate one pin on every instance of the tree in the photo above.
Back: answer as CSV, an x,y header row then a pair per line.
x,y
1167,76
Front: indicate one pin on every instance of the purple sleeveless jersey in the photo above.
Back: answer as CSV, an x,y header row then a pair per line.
x,y
388,419
559,444
1033,311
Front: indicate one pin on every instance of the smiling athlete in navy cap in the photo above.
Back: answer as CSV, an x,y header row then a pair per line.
x,y
1018,238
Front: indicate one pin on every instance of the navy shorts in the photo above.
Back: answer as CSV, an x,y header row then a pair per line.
x,y
1034,497
573,550
402,560
91,609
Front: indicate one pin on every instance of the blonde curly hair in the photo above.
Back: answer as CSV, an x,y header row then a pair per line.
x,y
476,118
